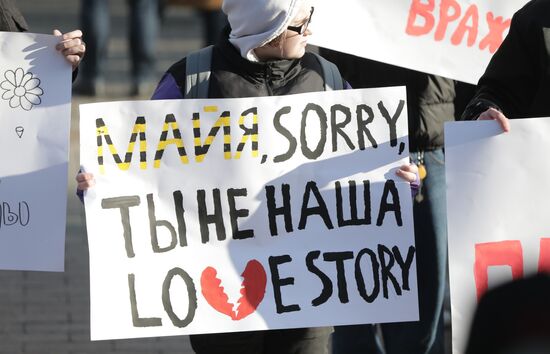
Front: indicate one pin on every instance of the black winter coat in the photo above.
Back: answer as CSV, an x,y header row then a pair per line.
x,y
430,98
232,76
517,79
11,19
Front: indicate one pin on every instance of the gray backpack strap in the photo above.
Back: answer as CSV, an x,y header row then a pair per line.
x,y
333,79
197,71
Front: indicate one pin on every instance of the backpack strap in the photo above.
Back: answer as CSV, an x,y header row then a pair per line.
x,y
331,74
197,71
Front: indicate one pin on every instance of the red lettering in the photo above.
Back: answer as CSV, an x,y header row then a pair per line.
x,y
463,27
494,38
493,254
421,21
420,9
544,255
446,17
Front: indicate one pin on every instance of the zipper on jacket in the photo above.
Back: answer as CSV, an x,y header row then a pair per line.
x,y
267,78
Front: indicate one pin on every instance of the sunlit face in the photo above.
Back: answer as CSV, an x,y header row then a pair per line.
x,y
293,44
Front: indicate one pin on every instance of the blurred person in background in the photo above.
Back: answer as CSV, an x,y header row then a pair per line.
x,y
214,20
142,34
431,101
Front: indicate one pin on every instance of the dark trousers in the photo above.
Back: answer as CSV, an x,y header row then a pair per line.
x,y
142,34
283,341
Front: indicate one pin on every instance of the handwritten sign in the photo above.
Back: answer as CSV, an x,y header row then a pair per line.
x,y
248,214
450,38
497,199
35,112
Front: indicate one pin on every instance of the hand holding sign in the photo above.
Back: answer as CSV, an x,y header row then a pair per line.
x,y
493,114
71,46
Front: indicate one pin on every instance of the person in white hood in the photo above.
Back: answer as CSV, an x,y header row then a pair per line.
x,y
260,57
257,25
263,54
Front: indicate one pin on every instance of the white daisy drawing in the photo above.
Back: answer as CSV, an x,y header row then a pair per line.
x,y
21,89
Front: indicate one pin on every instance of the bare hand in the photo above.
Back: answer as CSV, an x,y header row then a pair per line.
x,y
85,181
493,114
71,46
408,172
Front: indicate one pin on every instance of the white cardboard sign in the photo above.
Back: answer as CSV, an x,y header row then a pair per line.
x,y
497,209
35,112
248,214
450,38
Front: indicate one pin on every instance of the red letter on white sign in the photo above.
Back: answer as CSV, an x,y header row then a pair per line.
x,y
494,254
424,10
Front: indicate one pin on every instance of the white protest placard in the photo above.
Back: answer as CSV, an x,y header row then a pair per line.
x,y
497,209
35,113
248,214
450,38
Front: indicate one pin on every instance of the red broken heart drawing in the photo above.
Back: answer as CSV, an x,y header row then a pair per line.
x,y
252,290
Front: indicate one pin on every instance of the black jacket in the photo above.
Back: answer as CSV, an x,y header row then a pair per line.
x,y
517,79
430,98
232,76
11,19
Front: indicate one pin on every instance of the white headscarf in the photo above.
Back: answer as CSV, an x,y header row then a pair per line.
x,y
255,23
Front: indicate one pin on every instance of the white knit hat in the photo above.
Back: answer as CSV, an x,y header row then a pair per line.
x,y
255,23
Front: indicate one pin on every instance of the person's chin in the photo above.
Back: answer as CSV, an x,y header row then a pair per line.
x,y
301,50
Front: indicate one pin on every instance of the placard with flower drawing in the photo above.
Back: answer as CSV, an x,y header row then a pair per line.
x,y
35,96
21,89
